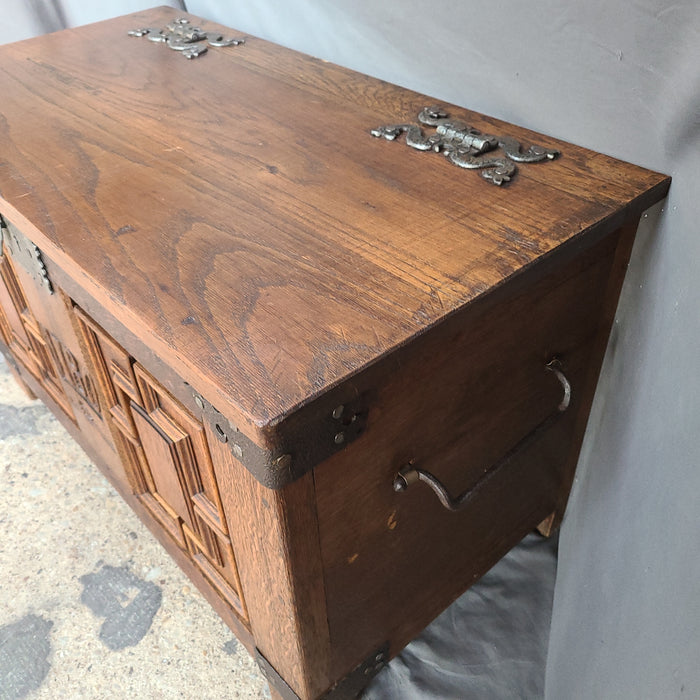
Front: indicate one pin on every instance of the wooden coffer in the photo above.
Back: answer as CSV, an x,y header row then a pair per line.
x,y
338,376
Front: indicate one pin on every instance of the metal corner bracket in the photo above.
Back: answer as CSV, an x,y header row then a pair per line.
x,y
297,449
347,688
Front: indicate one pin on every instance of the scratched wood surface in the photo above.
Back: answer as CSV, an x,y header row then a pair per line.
x,y
235,212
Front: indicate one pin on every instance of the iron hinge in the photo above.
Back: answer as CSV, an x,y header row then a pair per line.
x,y
26,254
181,36
348,688
465,146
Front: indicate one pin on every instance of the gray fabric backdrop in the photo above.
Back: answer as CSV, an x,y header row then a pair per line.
x,y
622,78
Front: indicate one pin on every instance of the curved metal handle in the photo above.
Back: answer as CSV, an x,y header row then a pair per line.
x,y
555,366
410,475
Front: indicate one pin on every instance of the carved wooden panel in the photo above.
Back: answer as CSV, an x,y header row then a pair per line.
x,y
47,362
118,387
167,453
72,372
166,459
12,305
182,486
213,554
26,338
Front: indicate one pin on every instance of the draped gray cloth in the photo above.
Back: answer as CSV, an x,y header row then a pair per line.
x,y
618,77
491,644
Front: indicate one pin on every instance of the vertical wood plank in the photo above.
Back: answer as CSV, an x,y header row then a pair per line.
x,y
275,538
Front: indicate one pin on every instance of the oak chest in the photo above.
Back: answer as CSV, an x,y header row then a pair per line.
x,y
335,344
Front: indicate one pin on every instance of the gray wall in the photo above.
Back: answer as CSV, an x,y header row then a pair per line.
x,y
622,78
22,19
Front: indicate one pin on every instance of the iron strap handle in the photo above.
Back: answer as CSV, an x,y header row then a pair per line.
x,y
409,475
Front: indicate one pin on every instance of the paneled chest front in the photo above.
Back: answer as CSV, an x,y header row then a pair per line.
x,y
335,345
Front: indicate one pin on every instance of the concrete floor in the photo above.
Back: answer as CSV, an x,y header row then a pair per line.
x,y
91,606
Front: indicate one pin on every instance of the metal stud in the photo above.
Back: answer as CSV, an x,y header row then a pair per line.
x,y
339,438
283,462
220,433
338,411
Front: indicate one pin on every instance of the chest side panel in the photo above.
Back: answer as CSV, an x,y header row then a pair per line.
x,y
454,407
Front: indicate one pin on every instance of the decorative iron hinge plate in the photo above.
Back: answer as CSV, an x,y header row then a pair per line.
x,y
25,253
347,688
181,36
465,146
300,447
